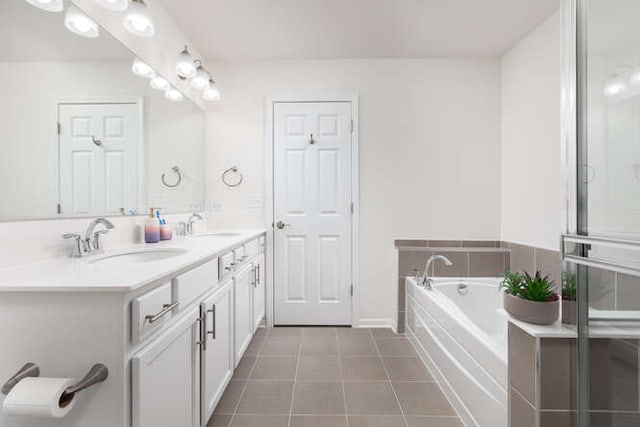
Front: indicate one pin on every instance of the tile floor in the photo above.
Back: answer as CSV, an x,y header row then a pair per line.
x,y
332,377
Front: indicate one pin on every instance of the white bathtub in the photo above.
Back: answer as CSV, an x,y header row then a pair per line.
x,y
461,331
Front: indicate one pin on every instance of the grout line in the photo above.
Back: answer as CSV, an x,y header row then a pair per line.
x,y
404,417
295,376
344,394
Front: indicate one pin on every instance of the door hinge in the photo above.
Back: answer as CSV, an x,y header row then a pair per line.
x,y
59,209
59,128
351,290
351,125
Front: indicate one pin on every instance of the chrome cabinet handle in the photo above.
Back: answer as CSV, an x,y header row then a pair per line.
x,y
212,332
166,308
203,327
282,225
258,274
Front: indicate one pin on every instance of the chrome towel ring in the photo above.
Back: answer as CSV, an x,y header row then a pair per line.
x,y
232,177
176,171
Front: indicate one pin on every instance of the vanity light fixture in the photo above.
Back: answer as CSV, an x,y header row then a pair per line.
x,y
142,69
201,80
185,67
137,19
615,85
79,23
173,94
115,5
160,83
211,94
48,5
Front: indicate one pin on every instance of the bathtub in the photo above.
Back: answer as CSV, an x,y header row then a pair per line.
x,y
460,329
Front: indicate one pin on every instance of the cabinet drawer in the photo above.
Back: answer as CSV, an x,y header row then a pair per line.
x,y
227,261
153,303
252,248
192,284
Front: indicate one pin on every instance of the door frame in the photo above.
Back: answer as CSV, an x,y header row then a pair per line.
x,y
270,205
139,102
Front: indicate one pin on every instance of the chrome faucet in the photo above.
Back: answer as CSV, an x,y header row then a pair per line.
x,y
92,238
425,279
189,224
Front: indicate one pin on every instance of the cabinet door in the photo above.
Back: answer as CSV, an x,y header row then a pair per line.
x,y
217,353
165,377
258,291
242,311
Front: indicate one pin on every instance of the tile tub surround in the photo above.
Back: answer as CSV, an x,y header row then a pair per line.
x,y
471,258
542,380
332,377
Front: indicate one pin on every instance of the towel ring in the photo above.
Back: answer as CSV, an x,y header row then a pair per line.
x,y
175,170
232,170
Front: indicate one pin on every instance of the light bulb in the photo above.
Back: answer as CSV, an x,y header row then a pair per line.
x,y
185,68
80,24
48,5
142,69
211,94
160,83
137,19
614,85
173,94
115,5
201,80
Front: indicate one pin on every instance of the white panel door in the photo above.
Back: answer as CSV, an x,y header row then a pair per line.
x,y
312,213
98,158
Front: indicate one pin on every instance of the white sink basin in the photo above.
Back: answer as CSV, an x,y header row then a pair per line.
x,y
145,255
220,234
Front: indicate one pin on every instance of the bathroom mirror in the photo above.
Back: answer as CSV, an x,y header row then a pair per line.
x,y
80,133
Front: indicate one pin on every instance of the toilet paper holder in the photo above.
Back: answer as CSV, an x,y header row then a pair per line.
x,y
98,373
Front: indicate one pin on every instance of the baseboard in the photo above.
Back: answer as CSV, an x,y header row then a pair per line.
x,y
376,323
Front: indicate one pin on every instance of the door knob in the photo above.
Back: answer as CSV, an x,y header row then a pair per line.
x,y
282,225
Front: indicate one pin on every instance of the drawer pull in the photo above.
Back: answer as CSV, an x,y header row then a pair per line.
x,y
166,308
213,319
258,274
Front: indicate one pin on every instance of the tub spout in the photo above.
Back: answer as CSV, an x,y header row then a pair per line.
x,y
426,280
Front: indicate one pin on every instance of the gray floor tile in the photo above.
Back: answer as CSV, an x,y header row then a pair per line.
x,y
255,346
260,421
244,368
358,347
344,333
318,421
280,346
319,346
219,420
376,421
261,332
266,397
406,369
422,399
434,422
395,347
319,332
274,368
324,368
285,331
362,368
381,333
371,398
318,398
230,397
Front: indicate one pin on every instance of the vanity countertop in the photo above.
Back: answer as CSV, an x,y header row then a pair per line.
x,y
119,274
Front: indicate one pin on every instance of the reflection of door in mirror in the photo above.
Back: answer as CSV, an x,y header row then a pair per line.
x,y
98,167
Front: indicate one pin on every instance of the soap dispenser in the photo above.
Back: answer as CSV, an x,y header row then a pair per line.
x,y
152,228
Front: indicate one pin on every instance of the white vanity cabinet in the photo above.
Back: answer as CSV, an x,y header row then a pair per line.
x,y
258,291
217,350
243,311
165,377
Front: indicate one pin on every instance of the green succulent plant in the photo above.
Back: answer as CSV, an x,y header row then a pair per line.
x,y
525,286
569,286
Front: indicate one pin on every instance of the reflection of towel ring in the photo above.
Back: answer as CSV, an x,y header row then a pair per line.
x,y
232,170
175,170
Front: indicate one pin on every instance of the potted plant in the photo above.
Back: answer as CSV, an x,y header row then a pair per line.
x,y
569,290
529,298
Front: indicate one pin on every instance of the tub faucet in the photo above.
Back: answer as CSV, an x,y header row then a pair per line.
x,y
426,280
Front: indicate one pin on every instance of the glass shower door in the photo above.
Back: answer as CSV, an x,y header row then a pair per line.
x,y
602,255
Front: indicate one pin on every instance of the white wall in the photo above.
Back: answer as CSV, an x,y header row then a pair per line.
x,y
429,151
531,196
174,134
